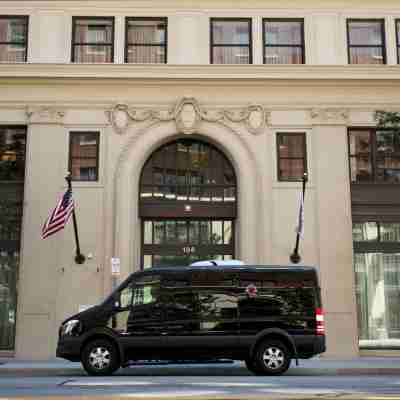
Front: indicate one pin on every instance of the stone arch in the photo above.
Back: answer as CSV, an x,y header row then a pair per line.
x,y
126,186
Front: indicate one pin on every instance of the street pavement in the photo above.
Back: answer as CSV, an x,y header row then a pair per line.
x,y
361,378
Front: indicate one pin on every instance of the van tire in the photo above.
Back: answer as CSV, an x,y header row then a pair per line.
x,y
272,357
100,358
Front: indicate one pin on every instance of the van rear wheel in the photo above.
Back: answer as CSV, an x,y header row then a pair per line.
x,y
272,357
100,357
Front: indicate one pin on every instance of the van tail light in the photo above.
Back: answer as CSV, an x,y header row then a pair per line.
x,y
319,317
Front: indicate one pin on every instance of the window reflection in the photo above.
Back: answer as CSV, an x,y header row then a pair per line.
x,y
93,40
148,232
366,41
227,232
158,232
377,291
13,38
217,306
84,156
390,232
146,40
291,152
230,41
374,156
12,153
179,242
367,231
217,233
12,171
188,170
283,42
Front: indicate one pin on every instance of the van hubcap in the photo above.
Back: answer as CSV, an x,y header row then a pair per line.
x,y
273,357
99,358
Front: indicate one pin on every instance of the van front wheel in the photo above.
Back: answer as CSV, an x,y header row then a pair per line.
x,y
100,358
272,358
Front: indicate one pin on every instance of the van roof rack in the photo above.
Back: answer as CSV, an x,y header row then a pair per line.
x,y
216,263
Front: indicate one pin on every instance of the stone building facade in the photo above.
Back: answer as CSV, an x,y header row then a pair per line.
x,y
187,127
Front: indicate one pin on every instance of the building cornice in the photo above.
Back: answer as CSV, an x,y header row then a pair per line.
x,y
204,4
10,73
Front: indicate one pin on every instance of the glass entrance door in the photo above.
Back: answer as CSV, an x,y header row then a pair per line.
x,y
181,241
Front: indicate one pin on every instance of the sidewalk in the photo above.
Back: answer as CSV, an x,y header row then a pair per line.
x,y
315,366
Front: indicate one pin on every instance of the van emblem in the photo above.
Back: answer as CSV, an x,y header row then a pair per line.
x,y
251,290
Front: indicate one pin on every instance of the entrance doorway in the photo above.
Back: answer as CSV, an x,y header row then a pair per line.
x,y
187,205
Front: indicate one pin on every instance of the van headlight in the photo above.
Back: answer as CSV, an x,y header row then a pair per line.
x,y
71,328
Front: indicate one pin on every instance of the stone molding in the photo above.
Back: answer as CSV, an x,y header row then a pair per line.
x,y
330,116
374,75
188,115
45,115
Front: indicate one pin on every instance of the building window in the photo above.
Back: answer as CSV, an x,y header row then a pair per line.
x,y
374,156
366,41
231,41
12,153
398,39
93,39
377,273
291,155
188,170
146,40
283,41
13,38
84,156
12,173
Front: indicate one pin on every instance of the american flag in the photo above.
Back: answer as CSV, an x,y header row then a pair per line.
x,y
60,215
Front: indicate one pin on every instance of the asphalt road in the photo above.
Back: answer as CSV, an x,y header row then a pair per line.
x,y
225,382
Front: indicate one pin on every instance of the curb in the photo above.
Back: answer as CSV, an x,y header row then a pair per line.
x,y
133,372
360,396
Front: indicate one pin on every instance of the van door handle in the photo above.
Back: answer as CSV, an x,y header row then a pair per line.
x,y
164,333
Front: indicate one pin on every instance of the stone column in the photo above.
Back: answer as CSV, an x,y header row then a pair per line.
x,y
334,222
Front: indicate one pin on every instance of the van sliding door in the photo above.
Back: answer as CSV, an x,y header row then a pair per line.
x,y
204,320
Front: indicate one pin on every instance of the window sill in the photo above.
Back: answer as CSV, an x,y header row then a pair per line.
x,y
85,184
375,183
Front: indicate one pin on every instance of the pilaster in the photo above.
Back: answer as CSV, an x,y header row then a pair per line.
x,y
39,269
333,211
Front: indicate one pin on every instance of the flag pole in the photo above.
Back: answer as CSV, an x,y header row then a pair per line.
x,y
295,256
79,258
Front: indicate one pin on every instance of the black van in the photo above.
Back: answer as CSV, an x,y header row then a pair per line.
x,y
264,315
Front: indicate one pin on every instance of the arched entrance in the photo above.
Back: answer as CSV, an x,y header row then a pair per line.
x,y
187,204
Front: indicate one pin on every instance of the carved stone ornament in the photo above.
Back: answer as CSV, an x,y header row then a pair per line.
x,y
119,118
188,115
45,115
329,116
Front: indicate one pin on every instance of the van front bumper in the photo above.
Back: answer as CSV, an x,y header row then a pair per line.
x,y
69,347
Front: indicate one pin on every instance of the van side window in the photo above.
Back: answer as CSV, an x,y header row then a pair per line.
x,y
278,302
146,294
126,297
180,305
146,290
214,305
